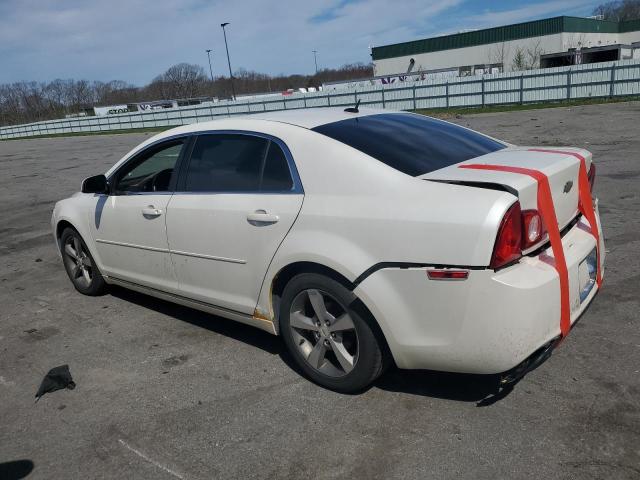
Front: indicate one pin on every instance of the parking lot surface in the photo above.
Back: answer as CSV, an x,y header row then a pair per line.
x,y
167,392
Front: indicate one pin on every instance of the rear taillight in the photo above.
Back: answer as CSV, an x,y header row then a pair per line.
x,y
592,175
508,246
532,228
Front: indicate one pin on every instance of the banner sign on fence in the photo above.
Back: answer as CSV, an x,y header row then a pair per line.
x,y
112,110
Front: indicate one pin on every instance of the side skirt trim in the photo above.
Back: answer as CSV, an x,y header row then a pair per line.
x,y
259,322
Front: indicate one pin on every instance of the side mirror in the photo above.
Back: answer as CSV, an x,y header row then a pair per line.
x,y
95,184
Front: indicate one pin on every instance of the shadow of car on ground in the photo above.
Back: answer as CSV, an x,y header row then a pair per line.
x,y
484,390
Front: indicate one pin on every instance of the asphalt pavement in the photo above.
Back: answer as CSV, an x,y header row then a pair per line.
x,y
167,392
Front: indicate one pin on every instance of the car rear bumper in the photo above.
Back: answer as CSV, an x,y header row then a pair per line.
x,y
488,323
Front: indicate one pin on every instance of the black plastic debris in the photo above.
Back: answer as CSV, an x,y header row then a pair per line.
x,y
57,379
16,469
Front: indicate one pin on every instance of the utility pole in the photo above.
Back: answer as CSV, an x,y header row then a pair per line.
x,y
315,59
209,57
224,32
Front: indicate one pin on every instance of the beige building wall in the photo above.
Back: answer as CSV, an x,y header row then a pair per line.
x,y
630,37
503,52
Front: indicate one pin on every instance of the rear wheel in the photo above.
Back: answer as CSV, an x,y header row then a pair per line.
x,y
80,265
328,339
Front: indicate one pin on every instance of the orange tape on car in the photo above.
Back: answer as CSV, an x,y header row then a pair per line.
x,y
548,214
585,203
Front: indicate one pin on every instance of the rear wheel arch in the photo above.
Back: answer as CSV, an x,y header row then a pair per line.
x,y
287,273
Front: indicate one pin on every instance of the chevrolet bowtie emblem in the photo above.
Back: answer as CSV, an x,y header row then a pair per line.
x,y
567,186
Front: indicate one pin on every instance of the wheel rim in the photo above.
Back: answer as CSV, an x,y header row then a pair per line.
x,y
324,333
78,262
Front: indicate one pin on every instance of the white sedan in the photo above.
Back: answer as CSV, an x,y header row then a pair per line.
x,y
363,238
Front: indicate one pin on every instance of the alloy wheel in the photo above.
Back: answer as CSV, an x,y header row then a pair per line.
x,y
323,332
78,262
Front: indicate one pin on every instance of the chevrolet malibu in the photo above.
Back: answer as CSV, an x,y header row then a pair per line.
x,y
364,238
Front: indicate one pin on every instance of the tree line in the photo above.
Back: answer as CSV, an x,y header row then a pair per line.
x,y
26,102
619,11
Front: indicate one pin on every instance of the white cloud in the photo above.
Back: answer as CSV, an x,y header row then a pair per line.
x,y
135,40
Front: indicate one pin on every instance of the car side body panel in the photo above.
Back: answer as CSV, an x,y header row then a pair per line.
x,y
383,230
385,216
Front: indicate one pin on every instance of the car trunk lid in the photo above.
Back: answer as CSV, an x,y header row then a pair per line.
x,y
560,168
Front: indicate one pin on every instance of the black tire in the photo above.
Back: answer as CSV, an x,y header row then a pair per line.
x,y
92,283
367,357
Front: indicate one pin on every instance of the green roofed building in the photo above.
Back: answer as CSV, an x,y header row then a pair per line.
x,y
544,43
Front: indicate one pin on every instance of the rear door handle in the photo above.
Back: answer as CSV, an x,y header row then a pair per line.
x,y
261,217
151,212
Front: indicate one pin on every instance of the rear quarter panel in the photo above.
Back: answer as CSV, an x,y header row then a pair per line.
x,y
358,212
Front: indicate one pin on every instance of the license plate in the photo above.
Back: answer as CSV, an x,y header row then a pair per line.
x,y
587,274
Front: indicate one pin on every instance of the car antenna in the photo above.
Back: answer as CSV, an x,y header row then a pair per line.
x,y
353,109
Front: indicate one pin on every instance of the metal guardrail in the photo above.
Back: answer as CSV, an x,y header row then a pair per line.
x,y
610,79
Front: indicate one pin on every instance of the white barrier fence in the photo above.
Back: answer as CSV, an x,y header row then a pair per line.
x,y
610,79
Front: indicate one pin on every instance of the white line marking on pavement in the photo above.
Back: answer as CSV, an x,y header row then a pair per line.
x,y
151,461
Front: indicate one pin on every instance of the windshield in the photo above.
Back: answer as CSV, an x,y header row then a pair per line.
x,y
413,144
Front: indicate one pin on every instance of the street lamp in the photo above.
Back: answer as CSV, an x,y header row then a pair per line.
x,y
224,32
315,59
209,57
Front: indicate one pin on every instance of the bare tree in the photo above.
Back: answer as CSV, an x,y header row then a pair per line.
x,y
533,54
519,61
183,80
499,54
24,102
527,58
619,10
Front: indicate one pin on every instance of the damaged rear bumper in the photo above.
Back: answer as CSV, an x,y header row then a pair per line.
x,y
487,324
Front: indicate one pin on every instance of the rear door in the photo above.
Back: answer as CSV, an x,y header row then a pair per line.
x,y
236,200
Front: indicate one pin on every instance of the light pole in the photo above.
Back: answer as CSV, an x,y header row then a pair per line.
x,y
224,32
315,59
209,57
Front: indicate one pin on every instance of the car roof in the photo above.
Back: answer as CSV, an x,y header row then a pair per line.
x,y
302,117
314,117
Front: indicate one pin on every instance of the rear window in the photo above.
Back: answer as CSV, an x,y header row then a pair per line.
x,y
413,144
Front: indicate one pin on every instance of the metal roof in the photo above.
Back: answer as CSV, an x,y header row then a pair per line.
x,y
536,28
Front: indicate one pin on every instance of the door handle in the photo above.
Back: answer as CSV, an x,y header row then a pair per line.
x,y
151,212
261,217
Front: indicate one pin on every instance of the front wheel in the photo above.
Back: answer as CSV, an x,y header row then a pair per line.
x,y
328,339
80,265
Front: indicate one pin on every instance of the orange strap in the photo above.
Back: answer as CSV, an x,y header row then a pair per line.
x,y
585,203
548,214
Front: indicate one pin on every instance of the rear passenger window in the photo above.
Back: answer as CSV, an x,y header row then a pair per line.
x,y
237,163
226,163
276,176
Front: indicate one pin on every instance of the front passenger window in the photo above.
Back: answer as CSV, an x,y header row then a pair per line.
x,y
152,171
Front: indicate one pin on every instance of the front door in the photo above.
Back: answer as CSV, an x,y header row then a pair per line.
x,y
238,199
129,224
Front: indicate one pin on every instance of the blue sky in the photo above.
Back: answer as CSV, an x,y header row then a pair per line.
x,y
134,40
